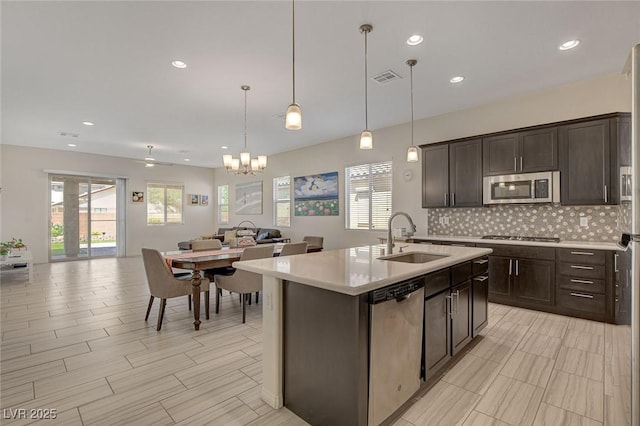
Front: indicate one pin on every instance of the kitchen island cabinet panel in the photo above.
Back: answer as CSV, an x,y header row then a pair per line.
x,y
437,333
461,324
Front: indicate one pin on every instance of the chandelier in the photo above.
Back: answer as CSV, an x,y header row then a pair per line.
x,y
245,165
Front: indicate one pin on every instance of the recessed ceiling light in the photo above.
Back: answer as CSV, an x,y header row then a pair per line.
x,y
72,145
187,159
569,44
178,64
224,147
88,123
456,79
415,39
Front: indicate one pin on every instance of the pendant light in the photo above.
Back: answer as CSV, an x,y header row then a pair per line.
x,y
245,164
293,120
412,152
366,138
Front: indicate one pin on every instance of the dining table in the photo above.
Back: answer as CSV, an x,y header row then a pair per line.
x,y
201,260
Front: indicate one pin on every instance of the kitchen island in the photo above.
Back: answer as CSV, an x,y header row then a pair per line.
x,y
316,322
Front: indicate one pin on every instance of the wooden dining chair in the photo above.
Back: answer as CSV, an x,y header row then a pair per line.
x,y
242,282
294,248
164,285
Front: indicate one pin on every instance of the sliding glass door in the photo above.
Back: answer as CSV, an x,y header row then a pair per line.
x,y
84,217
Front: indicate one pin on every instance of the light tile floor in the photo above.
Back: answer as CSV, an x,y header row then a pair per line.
x,y
75,341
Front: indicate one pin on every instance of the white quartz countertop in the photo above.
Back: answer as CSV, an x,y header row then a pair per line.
x,y
357,270
588,245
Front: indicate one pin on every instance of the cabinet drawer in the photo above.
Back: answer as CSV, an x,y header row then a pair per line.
x,y
529,252
582,270
583,301
580,256
437,282
460,273
480,266
589,285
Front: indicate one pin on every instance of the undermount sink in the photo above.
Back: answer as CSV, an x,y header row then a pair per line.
x,y
413,257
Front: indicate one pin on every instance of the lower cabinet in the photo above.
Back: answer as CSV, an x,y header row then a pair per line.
x,y
535,281
453,316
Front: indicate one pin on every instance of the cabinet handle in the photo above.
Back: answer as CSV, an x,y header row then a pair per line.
x,y
481,278
449,305
521,163
515,164
573,280
586,296
457,245
605,194
453,199
615,262
590,268
457,293
582,253
445,199
510,263
481,261
517,267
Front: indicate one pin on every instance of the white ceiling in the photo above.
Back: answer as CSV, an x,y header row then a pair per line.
x,y
109,62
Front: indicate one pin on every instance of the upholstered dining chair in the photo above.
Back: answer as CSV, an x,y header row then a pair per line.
x,y
202,245
314,241
294,248
164,285
242,282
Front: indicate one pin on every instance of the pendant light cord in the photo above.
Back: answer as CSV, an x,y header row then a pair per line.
x,y
411,71
245,119
293,48
366,100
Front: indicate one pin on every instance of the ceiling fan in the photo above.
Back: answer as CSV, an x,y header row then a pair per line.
x,y
149,161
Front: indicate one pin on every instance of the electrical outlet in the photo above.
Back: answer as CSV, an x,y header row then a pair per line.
x,y
584,221
446,220
441,220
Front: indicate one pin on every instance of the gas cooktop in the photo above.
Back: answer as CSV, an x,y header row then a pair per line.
x,y
521,238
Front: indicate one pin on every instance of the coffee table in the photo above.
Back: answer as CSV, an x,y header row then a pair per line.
x,y
19,257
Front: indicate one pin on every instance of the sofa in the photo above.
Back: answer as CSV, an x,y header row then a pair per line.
x,y
261,235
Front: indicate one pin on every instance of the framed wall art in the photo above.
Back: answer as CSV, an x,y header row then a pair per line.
x,y
249,198
137,197
194,199
204,200
316,195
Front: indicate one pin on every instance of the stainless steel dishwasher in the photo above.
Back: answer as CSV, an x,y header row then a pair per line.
x,y
396,321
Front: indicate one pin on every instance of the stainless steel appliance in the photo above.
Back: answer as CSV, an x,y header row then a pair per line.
x,y
524,188
522,238
626,187
631,237
396,346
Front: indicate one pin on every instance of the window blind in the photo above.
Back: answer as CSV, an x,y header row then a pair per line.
x,y
369,195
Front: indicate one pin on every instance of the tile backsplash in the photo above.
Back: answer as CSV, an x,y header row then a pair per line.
x,y
603,222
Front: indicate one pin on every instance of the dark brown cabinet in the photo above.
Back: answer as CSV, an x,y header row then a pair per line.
x,y
452,174
461,325
585,163
522,276
523,152
623,284
480,292
435,176
437,333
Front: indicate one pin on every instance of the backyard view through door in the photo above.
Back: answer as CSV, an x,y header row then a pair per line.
x,y
83,217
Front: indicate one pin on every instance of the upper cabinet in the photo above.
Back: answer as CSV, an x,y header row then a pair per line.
x,y
452,174
523,152
591,154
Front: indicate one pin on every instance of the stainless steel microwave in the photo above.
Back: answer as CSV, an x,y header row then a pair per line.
x,y
625,184
524,188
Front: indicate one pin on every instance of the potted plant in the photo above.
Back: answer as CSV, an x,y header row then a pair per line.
x,y
4,251
17,243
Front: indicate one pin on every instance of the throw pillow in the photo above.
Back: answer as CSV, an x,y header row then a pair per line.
x,y
229,235
263,235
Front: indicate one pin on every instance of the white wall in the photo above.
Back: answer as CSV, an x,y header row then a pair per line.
x,y
599,96
25,191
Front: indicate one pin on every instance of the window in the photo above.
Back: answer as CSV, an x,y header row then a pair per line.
x,y
282,201
164,204
368,193
223,204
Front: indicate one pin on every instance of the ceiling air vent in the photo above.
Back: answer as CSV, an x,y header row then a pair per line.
x,y
70,134
386,77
